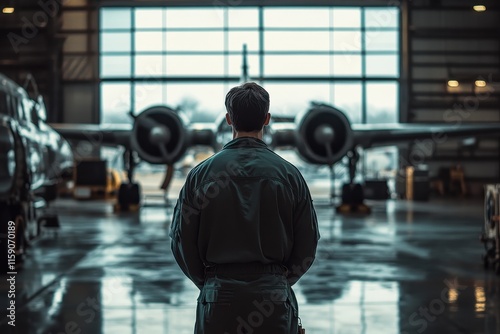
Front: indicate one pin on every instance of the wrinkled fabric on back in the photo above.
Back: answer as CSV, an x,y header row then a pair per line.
x,y
243,205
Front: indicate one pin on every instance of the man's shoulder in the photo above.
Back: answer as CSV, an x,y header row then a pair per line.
x,y
290,167
207,165
202,165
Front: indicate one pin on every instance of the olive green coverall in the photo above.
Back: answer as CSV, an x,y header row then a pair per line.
x,y
244,230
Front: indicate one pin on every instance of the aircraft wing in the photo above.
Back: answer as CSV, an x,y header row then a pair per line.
x,y
381,135
103,135
324,135
159,134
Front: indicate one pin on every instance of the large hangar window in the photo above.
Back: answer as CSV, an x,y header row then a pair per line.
x,y
190,57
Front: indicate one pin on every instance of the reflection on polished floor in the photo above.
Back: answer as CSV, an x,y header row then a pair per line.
x,y
407,268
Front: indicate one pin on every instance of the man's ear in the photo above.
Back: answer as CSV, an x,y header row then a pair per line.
x,y
228,119
268,118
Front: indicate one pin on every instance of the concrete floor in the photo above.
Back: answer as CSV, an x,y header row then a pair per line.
x,y
406,268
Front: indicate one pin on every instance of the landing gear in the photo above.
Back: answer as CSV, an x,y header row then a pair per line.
x,y
129,197
352,193
353,199
129,194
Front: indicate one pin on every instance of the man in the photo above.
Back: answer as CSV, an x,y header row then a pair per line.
x,y
244,229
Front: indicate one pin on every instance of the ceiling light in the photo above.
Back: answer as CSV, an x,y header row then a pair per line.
x,y
8,10
453,83
479,8
480,83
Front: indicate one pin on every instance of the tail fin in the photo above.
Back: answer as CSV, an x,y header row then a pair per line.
x,y
244,67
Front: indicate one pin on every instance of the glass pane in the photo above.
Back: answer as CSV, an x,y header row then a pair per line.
x,y
115,42
236,63
297,17
297,65
382,102
347,98
148,41
148,95
236,40
194,18
195,65
347,40
296,40
347,65
195,41
381,18
381,41
115,66
115,103
346,18
200,102
290,99
383,66
149,66
112,18
149,18
243,18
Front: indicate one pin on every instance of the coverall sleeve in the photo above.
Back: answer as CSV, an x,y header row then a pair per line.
x,y
305,236
184,235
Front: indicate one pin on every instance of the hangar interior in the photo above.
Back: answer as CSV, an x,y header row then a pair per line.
x,y
414,264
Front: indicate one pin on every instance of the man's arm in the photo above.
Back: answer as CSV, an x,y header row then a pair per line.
x,y
306,236
184,234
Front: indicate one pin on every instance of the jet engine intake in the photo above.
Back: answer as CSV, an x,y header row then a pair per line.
x,y
325,135
159,135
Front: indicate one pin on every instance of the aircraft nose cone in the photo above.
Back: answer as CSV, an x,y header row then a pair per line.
x,y
324,134
159,134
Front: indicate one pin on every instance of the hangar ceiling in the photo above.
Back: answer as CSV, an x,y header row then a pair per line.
x,y
440,40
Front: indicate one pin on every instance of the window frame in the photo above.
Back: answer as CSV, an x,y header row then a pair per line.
x,y
260,73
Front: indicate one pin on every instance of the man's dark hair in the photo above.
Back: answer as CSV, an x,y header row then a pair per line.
x,y
247,106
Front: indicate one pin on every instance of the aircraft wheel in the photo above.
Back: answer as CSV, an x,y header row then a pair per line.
x,y
486,262
129,195
358,194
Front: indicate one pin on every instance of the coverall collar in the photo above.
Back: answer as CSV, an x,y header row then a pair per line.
x,y
245,142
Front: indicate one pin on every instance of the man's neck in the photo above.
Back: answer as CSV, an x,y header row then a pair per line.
x,y
241,134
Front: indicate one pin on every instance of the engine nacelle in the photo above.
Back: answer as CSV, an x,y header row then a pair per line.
x,y
324,135
159,135
7,160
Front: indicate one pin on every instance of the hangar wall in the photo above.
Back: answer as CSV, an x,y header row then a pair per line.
x,y
30,43
448,40
80,62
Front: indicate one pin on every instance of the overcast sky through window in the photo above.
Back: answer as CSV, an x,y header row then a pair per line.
x,y
348,57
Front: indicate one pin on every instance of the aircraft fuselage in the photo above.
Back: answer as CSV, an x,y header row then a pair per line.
x,y
32,155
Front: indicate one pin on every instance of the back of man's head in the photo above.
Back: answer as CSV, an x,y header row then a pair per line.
x,y
247,106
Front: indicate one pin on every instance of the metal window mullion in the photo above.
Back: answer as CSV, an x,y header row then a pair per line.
x,y
331,53
363,68
226,42
164,53
261,44
99,66
132,59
